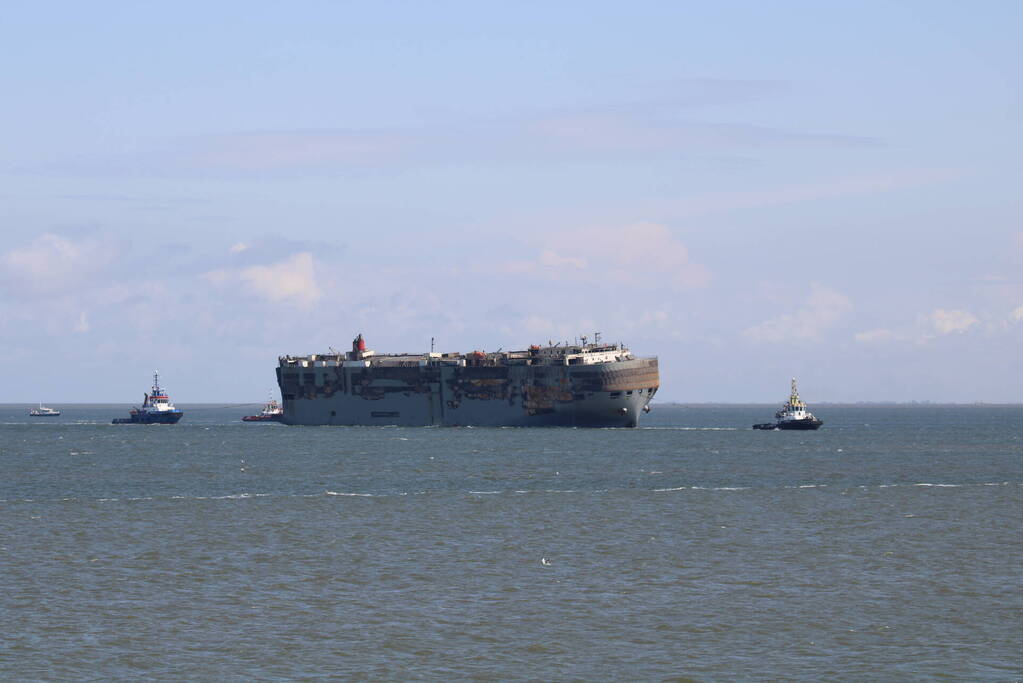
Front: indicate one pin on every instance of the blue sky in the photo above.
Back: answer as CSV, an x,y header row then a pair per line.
x,y
750,191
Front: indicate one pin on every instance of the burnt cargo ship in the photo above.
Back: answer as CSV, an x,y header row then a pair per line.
x,y
580,385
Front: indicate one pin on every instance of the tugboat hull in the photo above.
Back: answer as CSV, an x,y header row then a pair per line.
x,y
164,418
800,424
261,418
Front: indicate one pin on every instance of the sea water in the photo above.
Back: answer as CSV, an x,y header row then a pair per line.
x,y
886,546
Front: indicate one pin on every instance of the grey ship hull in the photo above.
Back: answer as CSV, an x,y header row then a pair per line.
x,y
612,394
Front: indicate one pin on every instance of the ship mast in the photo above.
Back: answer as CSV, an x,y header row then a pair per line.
x,y
794,399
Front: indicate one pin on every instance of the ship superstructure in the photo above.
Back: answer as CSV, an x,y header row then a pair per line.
x,y
583,384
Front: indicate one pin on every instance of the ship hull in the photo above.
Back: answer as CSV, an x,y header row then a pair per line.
x,y
261,418
162,418
599,395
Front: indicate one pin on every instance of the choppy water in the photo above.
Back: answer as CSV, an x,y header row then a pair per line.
x,y
888,545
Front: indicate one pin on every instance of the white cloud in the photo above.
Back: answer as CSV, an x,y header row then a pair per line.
x,y
650,246
939,322
617,133
654,317
824,189
615,130
1017,315
630,255
875,336
53,263
270,150
949,321
821,310
292,280
218,277
239,247
83,323
538,325
552,259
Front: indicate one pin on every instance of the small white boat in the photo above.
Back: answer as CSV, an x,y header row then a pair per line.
x,y
43,411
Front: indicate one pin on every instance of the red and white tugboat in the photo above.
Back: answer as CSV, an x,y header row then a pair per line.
x,y
271,412
793,415
156,409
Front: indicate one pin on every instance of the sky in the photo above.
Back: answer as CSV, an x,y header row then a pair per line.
x,y
749,191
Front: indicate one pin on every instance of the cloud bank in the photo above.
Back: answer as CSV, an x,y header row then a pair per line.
x,y
292,280
640,255
820,311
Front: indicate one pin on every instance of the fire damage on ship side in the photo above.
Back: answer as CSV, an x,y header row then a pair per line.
x,y
583,384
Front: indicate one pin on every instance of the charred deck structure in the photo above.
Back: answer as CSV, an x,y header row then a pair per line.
x,y
581,385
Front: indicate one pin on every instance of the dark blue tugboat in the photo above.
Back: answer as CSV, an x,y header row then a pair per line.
x,y
793,415
156,409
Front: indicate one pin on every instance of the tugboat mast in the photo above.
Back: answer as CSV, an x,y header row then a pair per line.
x,y
794,399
